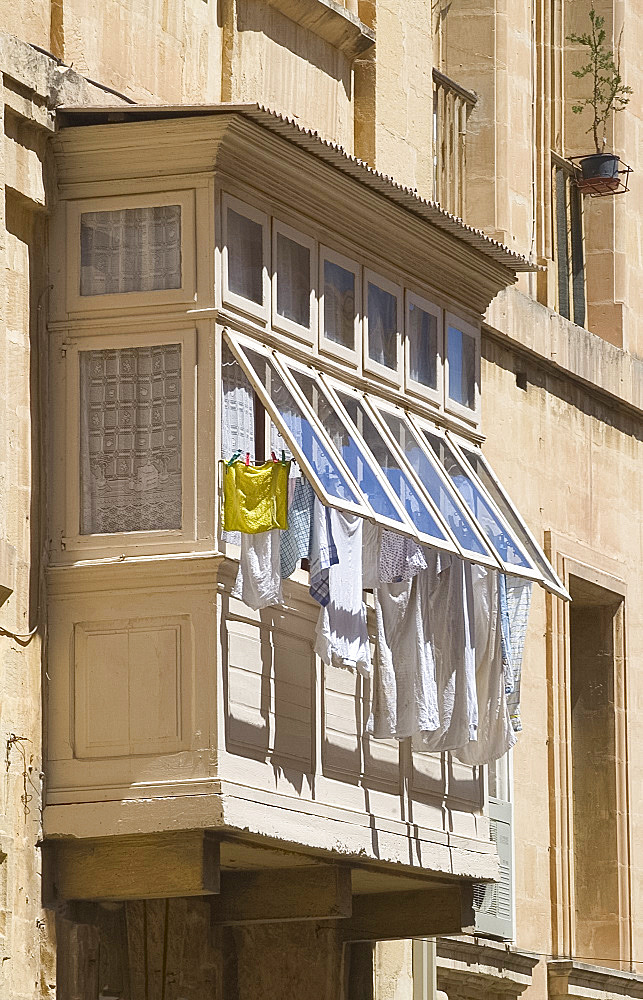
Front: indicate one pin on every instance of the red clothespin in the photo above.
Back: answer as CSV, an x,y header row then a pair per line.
x,y
273,456
247,458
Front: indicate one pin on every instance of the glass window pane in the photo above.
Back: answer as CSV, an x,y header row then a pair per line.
x,y
130,250
481,468
339,305
245,257
504,543
341,436
382,326
461,355
451,510
412,501
423,347
293,280
301,429
130,439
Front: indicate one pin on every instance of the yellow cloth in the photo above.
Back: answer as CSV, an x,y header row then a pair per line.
x,y
255,498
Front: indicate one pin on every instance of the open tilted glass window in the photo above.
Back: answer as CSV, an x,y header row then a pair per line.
x,y
364,455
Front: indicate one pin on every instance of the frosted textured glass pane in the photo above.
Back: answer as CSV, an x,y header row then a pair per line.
x,y
130,250
237,417
423,347
461,354
130,439
238,408
382,326
339,305
293,281
245,257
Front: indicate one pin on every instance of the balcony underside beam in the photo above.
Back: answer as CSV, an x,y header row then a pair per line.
x,y
318,892
154,866
415,913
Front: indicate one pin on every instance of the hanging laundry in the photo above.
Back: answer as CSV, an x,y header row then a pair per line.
x,y
295,541
388,557
255,498
495,733
258,582
446,600
401,558
405,700
371,534
514,594
322,554
342,634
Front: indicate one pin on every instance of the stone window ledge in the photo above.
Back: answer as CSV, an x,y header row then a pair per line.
x,y
591,982
331,21
7,570
475,967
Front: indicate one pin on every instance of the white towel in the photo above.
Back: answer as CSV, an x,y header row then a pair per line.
x,y
342,634
446,602
258,582
404,688
495,733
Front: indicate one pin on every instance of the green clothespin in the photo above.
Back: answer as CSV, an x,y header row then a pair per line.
x,y
234,457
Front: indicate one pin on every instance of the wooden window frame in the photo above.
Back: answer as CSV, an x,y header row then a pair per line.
x,y
77,303
282,323
472,330
67,504
260,311
394,376
350,355
435,396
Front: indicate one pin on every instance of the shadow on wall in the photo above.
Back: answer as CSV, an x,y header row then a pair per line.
x,y
262,18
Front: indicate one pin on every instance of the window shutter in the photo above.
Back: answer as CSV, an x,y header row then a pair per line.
x,y
493,902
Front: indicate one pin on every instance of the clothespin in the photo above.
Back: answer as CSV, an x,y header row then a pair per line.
x,y
247,458
234,457
273,456
283,457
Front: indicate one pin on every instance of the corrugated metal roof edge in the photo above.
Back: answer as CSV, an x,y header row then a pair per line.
x,y
333,154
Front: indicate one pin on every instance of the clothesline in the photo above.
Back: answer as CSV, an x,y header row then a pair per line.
x,y
449,633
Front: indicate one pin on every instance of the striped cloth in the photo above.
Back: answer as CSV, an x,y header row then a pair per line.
x,y
514,594
295,540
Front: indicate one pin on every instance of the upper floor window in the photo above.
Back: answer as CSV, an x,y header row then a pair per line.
x,y
462,366
569,247
245,251
339,305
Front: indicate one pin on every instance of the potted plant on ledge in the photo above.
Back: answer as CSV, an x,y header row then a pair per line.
x,y
599,170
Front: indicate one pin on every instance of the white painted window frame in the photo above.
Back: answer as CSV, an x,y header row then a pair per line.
x,y
390,375
472,330
77,303
414,388
529,572
548,578
279,322
260,311
489,557
237,342
327,346
449,544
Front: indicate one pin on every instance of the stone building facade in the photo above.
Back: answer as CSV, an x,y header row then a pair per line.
x,y
190,806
